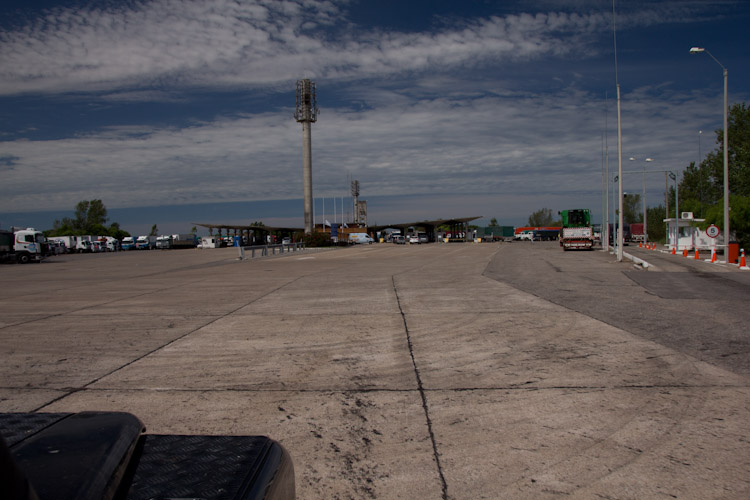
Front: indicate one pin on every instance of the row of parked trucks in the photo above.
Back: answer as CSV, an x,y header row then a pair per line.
x,y
165,241
30,245
82,244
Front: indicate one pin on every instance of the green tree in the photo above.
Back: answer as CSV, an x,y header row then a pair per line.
x,y
701,189
89,217
656,227
154,230
493,222
632,209
739,218
116,232
543,217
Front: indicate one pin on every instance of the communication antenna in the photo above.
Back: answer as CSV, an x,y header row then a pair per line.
x,y
306,113
307,102
355,196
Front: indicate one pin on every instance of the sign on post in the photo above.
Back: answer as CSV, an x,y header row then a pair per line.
x,y
712,231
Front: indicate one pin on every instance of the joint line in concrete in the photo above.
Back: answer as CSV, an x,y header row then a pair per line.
x,y
97,379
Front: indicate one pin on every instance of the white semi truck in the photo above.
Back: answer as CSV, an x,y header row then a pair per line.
x,y
23,245
145,243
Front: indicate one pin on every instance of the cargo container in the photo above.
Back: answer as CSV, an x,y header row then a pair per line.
x,y
636,232
185,240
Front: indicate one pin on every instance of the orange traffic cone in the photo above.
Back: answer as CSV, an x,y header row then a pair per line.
x,y
713,255
697,255
674,251
684,252
640,245
742,259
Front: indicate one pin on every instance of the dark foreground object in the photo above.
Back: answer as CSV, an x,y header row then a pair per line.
x,y
93,455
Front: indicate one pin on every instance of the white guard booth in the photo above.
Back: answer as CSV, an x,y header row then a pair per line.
x,y
688,235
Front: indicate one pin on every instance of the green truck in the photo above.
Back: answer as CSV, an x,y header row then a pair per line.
x,y
577,232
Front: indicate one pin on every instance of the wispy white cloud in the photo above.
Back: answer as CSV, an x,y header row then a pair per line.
x,y
428,121
248,44
522,145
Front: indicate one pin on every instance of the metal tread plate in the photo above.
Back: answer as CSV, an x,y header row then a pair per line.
x,y
216,467
15,427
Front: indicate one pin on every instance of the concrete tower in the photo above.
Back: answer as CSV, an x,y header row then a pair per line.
x,y
307,113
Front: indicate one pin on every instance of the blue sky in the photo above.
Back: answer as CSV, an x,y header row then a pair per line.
x,y
179,111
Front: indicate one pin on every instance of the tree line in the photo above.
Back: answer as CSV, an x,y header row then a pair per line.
x,y
700,190
90,217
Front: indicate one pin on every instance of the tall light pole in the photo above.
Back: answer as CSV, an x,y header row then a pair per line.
x,y
700,168
645,214
673,176
619,141
615,228
603,233
698,50
307,114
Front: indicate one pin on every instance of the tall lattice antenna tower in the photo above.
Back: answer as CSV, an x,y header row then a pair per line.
x,y
355,197
306,113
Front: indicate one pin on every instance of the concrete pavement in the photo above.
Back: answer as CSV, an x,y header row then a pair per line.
x,y
387,371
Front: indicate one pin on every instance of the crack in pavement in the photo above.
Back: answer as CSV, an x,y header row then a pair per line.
x,y
425,406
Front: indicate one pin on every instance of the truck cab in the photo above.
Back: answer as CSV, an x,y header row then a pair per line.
x,y
145,242
128,243
164,242
577,232
29,245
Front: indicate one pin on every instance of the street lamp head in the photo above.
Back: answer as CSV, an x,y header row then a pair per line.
x,y
649,159
696,50
672,176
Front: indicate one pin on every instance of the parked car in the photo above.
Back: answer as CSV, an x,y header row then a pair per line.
x,y
414,239
525,235
399,239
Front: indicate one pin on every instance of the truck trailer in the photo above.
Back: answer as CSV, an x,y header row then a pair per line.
x,y
184,240
69,242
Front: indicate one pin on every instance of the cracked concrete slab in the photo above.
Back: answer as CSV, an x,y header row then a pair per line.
x,y
387,371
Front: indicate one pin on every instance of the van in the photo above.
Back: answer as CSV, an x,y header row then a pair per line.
x,y
360,238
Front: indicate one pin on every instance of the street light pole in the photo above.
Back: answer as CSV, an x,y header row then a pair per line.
x,y
614,214
645,214
698,50
673,176
619,141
